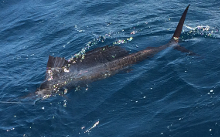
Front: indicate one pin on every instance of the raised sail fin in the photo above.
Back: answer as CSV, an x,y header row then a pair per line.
x,y
56,62
55,65
99,56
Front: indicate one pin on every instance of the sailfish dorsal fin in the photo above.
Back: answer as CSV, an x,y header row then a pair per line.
x,y
54,66
56,62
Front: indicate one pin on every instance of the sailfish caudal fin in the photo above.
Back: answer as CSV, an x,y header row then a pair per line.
x,y
176,35
179,27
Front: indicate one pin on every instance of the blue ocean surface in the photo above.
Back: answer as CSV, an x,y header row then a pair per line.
x,y
169,95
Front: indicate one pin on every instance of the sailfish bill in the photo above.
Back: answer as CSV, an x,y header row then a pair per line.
x,y
96,64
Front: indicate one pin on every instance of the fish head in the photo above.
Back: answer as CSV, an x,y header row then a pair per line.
x,y
44,91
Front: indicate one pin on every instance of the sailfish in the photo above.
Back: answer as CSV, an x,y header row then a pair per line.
x,y
97,64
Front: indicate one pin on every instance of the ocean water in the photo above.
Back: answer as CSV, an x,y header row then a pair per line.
x,y
168,95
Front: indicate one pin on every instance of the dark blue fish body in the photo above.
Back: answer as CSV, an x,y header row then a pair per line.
x,y
97,64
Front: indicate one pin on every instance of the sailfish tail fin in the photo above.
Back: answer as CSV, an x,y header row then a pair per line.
x,y
176,35
179,27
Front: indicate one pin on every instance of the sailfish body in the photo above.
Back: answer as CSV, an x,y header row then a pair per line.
x,y
97,64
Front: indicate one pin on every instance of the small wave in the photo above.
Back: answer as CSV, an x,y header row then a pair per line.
x,y
201,31
103,38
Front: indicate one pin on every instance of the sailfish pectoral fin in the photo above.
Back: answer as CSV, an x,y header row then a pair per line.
x,y
175,38
182,49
